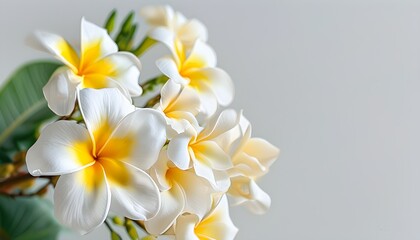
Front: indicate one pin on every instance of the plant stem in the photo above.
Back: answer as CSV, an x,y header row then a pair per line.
x,y
144,46
11,181
150,84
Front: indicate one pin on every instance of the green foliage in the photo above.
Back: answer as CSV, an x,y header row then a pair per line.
x,y
27,219
23,107
126,34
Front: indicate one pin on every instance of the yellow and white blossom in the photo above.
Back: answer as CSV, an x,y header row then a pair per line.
x,y
217,225
196,69
102,163
179,105
199,150
181,191
99,65
168,26
252,158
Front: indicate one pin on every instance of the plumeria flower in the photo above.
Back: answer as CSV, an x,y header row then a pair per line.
x,y
200,151
168,26
252,158
99,65
217,225
179,105
101,163
181,191
196,69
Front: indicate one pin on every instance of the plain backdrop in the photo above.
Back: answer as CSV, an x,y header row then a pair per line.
x,y
334,84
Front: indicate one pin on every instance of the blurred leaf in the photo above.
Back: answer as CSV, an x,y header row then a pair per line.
x,y
27,219
110,22
22,103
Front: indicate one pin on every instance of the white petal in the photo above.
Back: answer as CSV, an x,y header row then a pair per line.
x,y
164,35
186,101
93,35
169,68
202,56
264,151
172,206
247,165
157,15
134,193
80,205
185,225
204,171
63,147
138,139
212,155
198,192
169,93
123,67
159,169
218,225
246,192
60,48
227,120
218,81
102,110
208,103
178,151
60,91
192,30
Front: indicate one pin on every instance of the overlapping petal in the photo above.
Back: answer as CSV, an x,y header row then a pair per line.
x,y
82,199
60,91
63,147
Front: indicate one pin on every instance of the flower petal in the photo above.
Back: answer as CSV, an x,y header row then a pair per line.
x,y
134,194
82,199
212,155
201,56
169,93
198,192
62,148
261,149
170,69
172,206
246,192
227,120
60,48
178,148
192,30
102,110
60,91
217,80
157,15
123,67
204,170
138,139
218,225
185,226
96,43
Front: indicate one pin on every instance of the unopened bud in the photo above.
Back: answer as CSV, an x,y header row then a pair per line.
x,y
118,221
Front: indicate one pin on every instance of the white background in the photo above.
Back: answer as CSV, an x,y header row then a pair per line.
x,y
334,84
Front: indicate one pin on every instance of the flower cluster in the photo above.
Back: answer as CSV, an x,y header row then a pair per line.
x,y
170,165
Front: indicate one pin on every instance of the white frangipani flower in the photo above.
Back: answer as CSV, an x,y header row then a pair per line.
x,y
102,163
217,225
181,191
99,65
196,69
169,26
252,158
179,105
201,151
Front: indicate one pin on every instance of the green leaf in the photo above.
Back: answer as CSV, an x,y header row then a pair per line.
x,y
22,103
27,219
